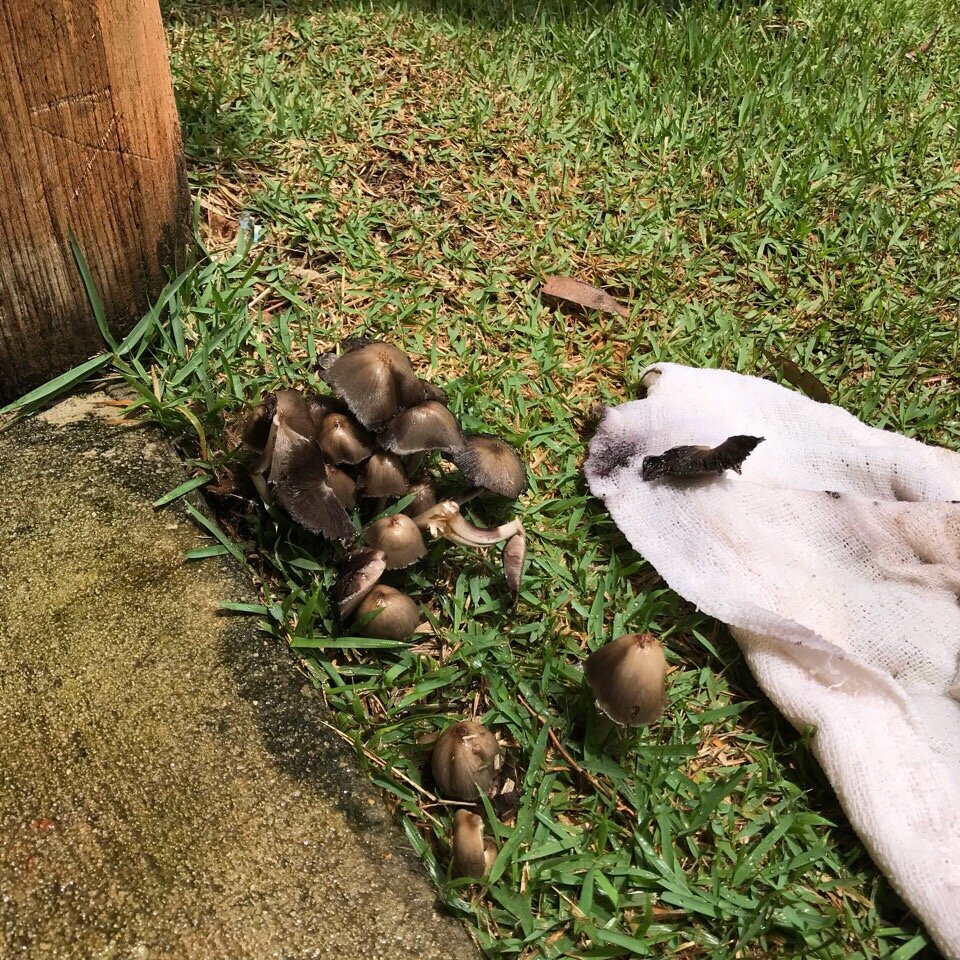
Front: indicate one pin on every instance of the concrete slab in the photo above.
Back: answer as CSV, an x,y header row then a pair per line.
x,y
166,786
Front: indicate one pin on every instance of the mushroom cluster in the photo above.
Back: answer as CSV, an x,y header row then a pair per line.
x,y
334,463
328,459
627,677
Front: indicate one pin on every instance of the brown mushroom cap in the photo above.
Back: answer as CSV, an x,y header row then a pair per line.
x,y
490,463
291,429
343,486
399,538
427,426
364,568
424,497
292,417
376,381
465,760
394,615
344,440
383,476
628,679
256,429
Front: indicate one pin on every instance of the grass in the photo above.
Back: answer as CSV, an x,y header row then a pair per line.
x,y
760,183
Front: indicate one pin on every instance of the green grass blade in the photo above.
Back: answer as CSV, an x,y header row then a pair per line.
x,y
180,490
57,385
96,304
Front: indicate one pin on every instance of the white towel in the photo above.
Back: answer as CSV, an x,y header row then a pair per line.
x,y
835,560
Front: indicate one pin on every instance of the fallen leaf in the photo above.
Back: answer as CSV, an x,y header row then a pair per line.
x,y
305,273
222,228
802,379
583,294
924,47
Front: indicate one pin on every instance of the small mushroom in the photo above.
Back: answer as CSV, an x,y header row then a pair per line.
x,y
424,497
344,440
376,381
256,430
383,476
628,679
399,538
473,855
490,463
392,614
465,760
427,426
514,557
297,471
445,520
343,486
364,568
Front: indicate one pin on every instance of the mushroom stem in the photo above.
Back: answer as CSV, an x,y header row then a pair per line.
x,y
261,466
263,488
473,854
514,557
445,520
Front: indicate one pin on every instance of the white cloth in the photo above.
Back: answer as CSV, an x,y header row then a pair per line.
x,y
835,560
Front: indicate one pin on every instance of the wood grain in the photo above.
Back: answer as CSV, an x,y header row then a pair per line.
x,y
91,140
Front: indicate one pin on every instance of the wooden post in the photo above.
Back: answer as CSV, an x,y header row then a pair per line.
x,y
90,141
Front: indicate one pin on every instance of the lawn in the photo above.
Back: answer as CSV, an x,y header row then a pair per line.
x,y
759,183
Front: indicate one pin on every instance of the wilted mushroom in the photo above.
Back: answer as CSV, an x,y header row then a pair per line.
x,y
427,426
364,568
445,520
514,557
399,538
490,463
465,760
297,471
383,476
628,679
376,381
387,614
343,486
473,855
344,440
